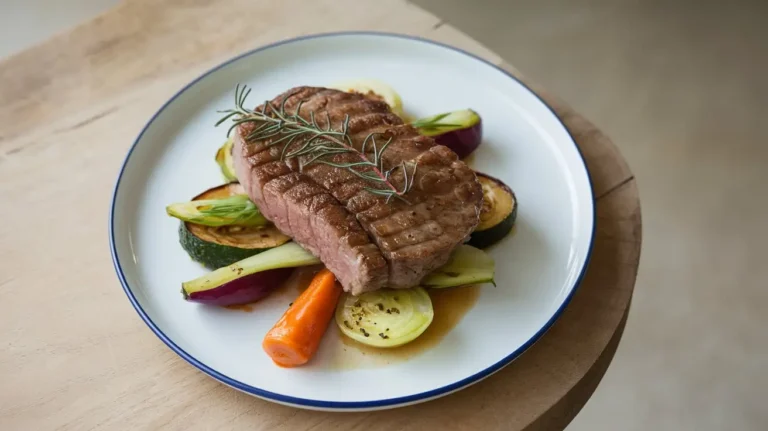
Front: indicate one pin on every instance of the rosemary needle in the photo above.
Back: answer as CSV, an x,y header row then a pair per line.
x,y
277,127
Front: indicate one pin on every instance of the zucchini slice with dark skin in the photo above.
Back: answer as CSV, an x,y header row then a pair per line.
x,y
218,246
498,214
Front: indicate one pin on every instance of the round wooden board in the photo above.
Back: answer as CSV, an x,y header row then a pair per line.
x,y
76,356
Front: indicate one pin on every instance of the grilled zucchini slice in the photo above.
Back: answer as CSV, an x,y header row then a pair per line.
x,y
498,214
218,246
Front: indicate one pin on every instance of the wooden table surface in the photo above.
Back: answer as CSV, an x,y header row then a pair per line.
x,y
76,356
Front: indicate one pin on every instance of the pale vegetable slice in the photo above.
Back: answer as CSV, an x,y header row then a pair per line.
x,y
385,317
217,246
288,255
225,161
243,290
461,131
467,265
237,210
375,89
447,122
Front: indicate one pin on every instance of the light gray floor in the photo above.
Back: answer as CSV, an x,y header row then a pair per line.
x,y
682,87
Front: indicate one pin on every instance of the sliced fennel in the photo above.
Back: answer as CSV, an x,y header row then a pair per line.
x,y
285,256
237,210
386,317
393,317
446,122
467,265
217,246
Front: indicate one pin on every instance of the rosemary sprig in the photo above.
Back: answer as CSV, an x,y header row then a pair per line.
x,y
276,127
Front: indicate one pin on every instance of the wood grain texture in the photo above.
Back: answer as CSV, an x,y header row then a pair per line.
x,y
74,353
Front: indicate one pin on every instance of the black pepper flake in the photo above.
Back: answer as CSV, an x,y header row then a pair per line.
x,y
381,334
396,310
364,333
387,329
380,307
346,323
389,311
356,304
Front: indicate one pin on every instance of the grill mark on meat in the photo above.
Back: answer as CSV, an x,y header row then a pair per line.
x,y
403,245
346,189
410,236
297,188
366,122
360,127
350,104
376,210
399,221
363,204
318,100
414,250
366,242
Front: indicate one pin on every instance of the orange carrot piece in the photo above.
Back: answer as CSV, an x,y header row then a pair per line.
x,y
296,336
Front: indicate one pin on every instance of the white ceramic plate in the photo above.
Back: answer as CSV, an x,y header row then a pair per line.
x,y
525,145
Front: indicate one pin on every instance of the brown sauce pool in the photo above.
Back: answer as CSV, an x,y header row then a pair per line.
x,y
450,306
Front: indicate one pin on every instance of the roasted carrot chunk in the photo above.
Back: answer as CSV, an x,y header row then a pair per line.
x,y
296,336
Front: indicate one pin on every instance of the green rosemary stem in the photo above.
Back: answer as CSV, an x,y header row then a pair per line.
x,y
283,128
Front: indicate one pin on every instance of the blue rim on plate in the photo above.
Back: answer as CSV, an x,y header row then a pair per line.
x,y
342,405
